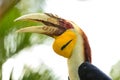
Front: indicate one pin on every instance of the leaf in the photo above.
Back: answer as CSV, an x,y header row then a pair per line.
x,y
42,73
115,71
11,42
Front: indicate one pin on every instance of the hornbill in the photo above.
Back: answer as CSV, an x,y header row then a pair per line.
x,y
70,42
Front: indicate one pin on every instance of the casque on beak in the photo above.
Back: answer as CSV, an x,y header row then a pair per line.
x,y
53,25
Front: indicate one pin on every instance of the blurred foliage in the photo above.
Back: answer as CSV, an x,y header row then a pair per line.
x,y
5,5
45,74
41,73
11,42
115,71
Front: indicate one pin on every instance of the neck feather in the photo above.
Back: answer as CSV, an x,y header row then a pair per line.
x,y
76,59
80,54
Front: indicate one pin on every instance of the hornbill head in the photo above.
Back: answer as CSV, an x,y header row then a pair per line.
x,y
70,41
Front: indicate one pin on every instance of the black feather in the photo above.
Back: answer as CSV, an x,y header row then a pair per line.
x,y
87,71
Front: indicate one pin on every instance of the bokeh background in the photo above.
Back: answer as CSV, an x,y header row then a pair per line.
x,y
29,56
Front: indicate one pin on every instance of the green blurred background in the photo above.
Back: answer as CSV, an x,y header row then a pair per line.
x,y
11,43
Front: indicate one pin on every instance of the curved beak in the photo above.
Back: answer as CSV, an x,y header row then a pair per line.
x,y
53,25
